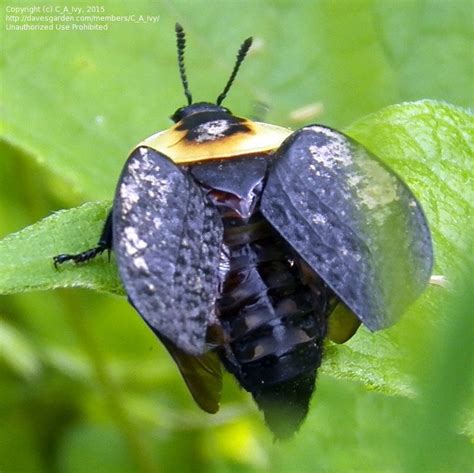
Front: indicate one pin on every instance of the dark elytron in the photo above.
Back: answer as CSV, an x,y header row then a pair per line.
x,y
240,242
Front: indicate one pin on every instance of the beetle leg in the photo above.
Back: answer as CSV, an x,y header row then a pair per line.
x,y
104,244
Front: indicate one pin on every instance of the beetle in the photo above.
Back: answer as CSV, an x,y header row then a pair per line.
x,y
247,244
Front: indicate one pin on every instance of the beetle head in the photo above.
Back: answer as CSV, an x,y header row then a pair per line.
x,y
198,107
192,108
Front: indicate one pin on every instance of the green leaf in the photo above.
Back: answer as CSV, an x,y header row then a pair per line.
x,y
431,145
372,359
26,257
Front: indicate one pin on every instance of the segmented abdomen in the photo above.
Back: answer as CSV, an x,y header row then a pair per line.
x,y
274,323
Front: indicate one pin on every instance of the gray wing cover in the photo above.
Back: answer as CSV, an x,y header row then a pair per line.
x,y
353,220
167,238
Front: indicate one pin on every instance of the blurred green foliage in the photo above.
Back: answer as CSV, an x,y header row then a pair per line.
x,y
84,385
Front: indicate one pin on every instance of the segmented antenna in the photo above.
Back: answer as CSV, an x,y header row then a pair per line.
x,y
181,44
244,49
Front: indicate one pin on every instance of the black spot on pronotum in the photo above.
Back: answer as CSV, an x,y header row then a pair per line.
x,y
207,126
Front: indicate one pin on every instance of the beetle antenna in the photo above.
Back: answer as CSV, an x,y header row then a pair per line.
x,y
181,44
244,49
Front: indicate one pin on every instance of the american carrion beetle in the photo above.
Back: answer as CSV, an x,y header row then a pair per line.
x,y
236,240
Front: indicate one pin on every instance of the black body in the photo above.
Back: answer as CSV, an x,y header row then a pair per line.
x,y
243,256
273,322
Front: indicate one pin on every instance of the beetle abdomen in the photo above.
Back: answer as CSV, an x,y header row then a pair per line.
x,y
274,324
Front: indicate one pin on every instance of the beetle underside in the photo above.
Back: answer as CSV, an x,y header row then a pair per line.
x,y
273,322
